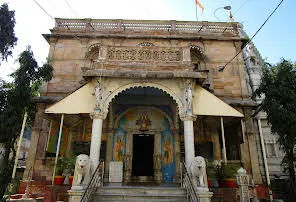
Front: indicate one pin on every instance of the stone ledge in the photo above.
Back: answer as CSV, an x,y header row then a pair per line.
x,y
169,36
202,75
241,103
46,99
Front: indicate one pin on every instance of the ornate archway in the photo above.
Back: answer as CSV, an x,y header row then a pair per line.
x,y
112,95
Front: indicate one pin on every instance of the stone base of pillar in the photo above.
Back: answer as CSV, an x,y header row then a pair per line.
x,y
157,176
204,196
127,175
75,195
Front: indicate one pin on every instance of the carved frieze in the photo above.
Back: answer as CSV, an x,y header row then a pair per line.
x,y
144,54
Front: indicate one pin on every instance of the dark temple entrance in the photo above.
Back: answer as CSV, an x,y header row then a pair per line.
x,y
143,147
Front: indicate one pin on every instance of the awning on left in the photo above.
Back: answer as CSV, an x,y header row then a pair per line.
x,y
80,101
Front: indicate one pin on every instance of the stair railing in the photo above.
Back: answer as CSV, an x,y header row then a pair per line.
x,y
186,182
96,181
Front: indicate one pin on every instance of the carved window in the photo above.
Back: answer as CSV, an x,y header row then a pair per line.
x,y
196,55
253,60
270,150
93,52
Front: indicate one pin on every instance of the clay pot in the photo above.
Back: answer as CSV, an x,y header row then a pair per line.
x,y
59,180
209,182
16,196
227,183
70,180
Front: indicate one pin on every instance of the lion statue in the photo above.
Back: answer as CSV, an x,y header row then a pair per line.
x,y
198,172
82,171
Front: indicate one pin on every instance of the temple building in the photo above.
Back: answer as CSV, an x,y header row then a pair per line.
x,y
149,94
273,155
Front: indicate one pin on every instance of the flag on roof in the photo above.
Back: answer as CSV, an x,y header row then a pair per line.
x,y
199,5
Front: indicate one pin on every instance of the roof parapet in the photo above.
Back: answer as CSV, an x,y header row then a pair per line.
x,y
106,25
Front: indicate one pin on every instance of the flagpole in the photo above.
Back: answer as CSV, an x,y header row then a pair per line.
x,y
196,11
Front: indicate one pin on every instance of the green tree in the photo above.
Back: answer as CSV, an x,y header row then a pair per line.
x,y
278,89
15,99
7,35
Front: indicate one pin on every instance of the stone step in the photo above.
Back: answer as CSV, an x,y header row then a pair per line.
x,y
141,194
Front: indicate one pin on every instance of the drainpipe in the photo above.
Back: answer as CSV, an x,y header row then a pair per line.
x,y
264,159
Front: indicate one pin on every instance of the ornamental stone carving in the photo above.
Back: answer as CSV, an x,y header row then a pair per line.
x,y
187,99
145,54
147,44
250,50
92,50
81,172
128,162
99,92
198,172
157,162
98,114
188,117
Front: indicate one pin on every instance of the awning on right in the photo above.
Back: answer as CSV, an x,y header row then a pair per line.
x,y
207,104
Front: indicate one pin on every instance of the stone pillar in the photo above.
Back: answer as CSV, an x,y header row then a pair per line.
x,y
128,157
109,146
188,138
177,155
109,149
95,145
157,158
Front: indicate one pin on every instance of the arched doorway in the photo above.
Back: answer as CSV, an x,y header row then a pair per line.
x,y
144,136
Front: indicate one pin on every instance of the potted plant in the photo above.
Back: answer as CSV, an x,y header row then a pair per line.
x,y
219,171
61,165
230,171
225,174
70,166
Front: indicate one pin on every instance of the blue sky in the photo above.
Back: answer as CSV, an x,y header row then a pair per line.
x,y
276,39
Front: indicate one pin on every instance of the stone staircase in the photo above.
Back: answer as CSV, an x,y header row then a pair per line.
x,y
140,194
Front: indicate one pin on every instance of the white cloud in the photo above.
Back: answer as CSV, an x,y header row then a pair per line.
x,y
32,22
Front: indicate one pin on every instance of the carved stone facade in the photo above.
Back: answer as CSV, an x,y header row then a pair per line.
x,y
141,83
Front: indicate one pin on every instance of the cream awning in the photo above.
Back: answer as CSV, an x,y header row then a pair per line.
x,y
80,101
83,101
207,104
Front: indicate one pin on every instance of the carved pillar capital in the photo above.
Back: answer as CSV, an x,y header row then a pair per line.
x,y
98,114
188,117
